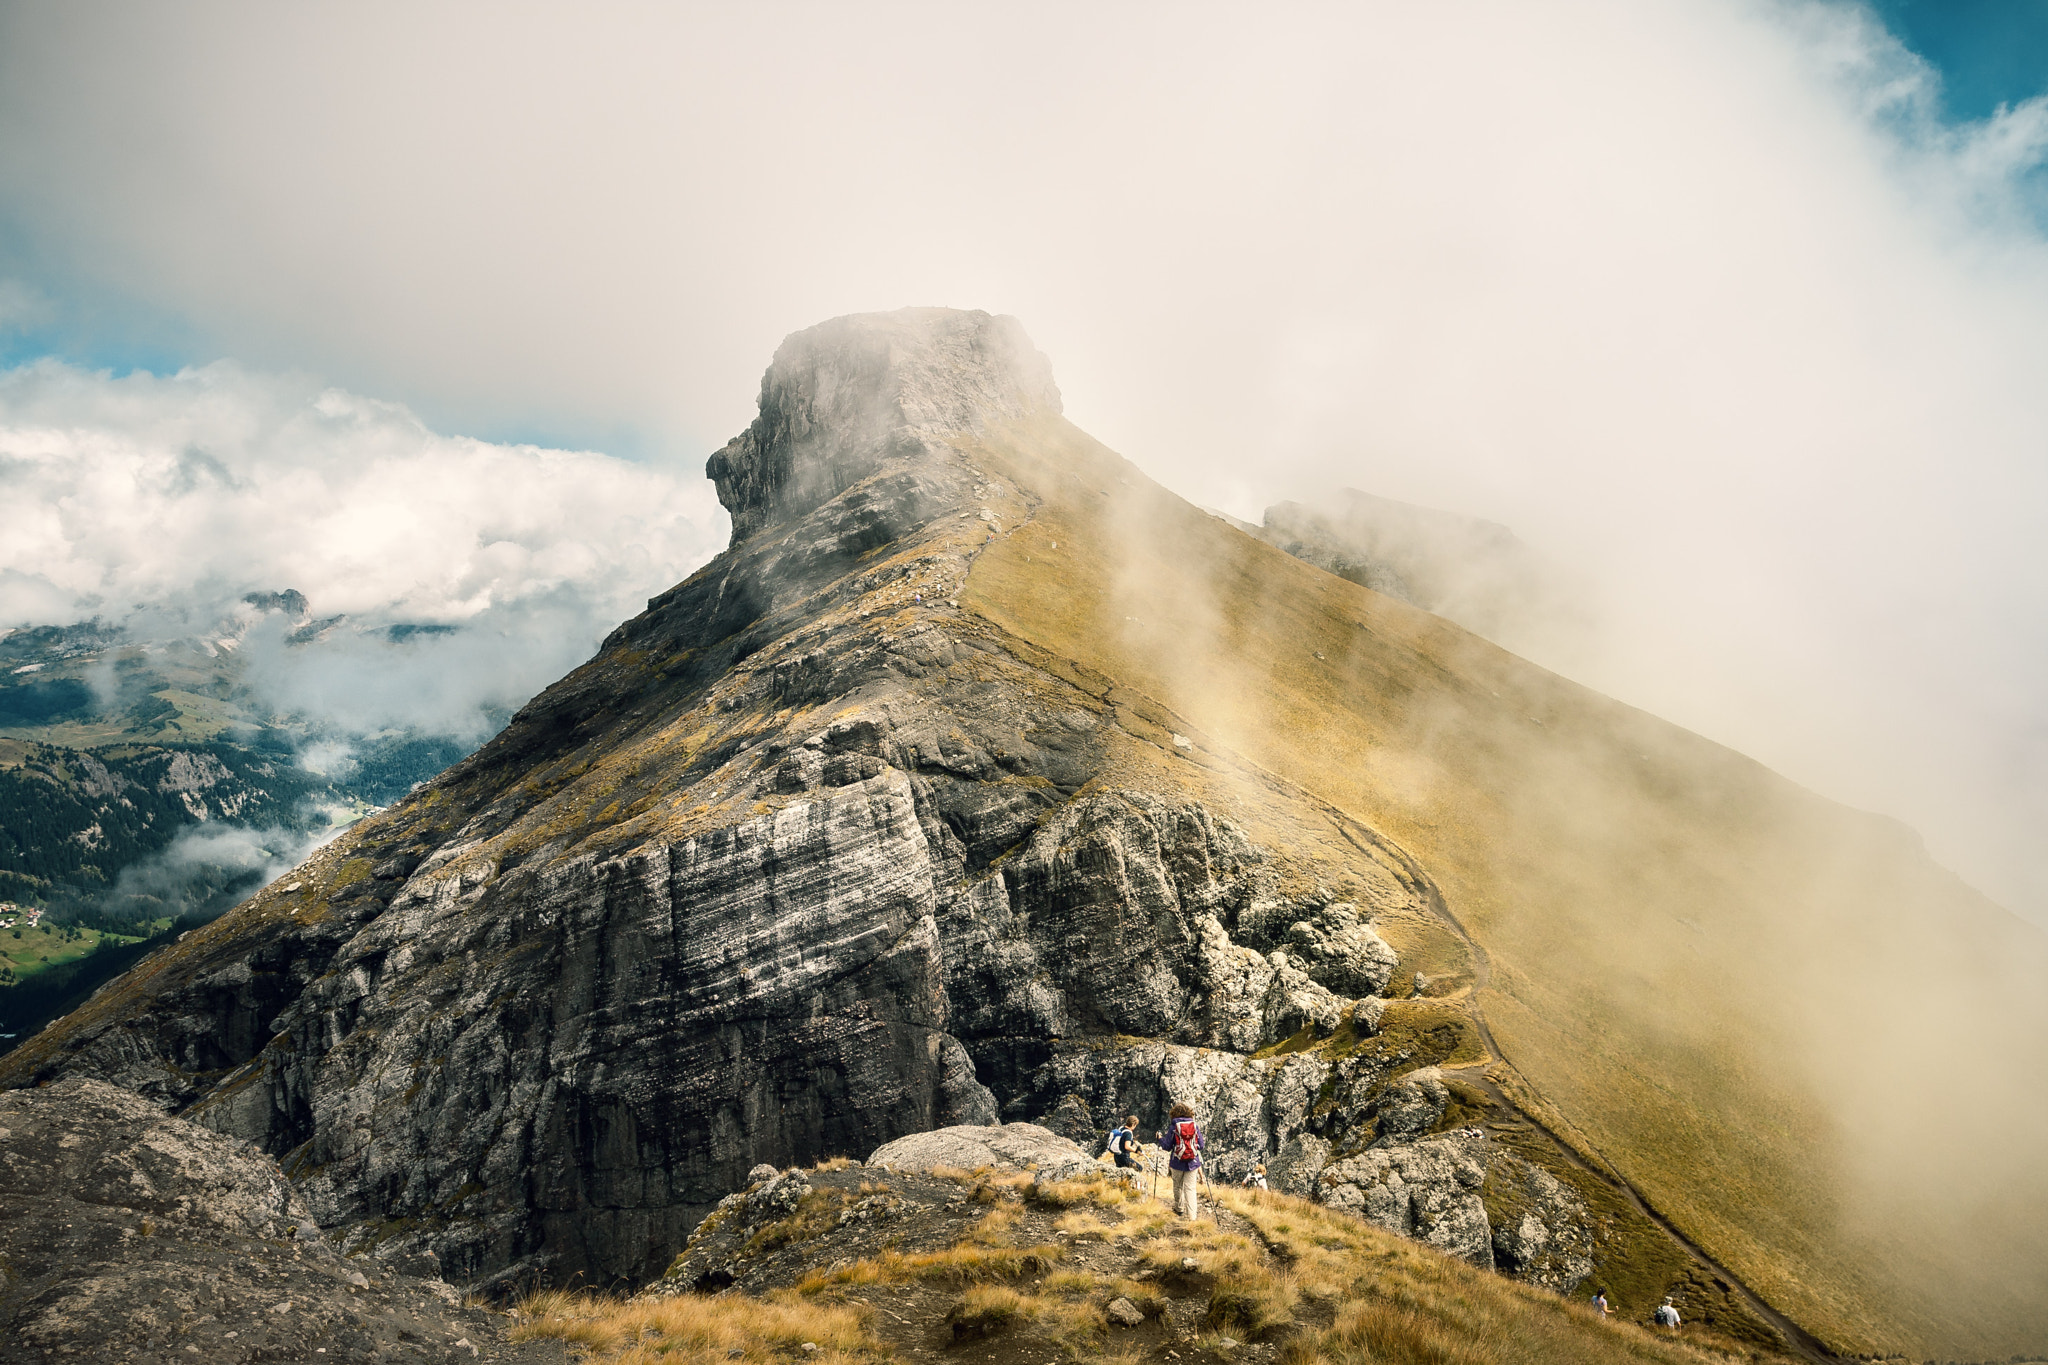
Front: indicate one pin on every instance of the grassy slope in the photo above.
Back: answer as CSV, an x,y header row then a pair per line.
x,y
25,952
1693,959
1308,1286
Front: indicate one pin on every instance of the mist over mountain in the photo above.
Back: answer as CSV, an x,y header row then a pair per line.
x,y
982,779
1713,303
1575,807
1477,573
239,610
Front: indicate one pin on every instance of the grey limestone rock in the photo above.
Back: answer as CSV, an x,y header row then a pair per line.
x,y
803,861
126,1233
777,1199
769,957
1412,1106
1546,1239
1428,1190
845,394
712,1256
1069,1168
1341,951
103,1145
1298,1164
1071,1119
1007,1147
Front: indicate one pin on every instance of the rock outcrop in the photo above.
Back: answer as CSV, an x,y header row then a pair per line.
x,y
1426,1189
1542,1231
1002,1147
127,1234
807,859
843,396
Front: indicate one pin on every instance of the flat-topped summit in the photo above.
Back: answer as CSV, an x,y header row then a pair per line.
x,y
844,395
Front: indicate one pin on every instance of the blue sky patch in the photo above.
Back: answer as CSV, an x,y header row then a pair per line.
x,y
1989,52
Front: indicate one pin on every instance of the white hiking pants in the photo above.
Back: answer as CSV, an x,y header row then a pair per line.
x,y
1187,1194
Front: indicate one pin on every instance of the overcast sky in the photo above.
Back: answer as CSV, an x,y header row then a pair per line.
x,y
1737,310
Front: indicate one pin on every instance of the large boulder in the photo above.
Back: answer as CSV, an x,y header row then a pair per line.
x,y
1007,1147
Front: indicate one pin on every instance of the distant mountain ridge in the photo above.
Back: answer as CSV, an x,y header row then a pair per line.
x,y
1477,573
118,748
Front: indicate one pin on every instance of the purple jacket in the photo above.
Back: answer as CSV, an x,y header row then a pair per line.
x,y
1166,1141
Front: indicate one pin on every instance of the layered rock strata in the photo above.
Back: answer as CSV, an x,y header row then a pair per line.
x,y
806,859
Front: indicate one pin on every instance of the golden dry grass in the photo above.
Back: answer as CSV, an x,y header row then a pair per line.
x,y
690,1328
1065,1317
1388,1300
965,1264
1085,1227
1335,1290
1686,949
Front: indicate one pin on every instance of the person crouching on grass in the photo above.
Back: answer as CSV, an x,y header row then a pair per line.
x,y
1183,1142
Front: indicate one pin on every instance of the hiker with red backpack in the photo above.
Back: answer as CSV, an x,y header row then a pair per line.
x,y
1183,1141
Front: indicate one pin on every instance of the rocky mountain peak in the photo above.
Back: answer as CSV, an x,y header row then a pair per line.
x,y
844,396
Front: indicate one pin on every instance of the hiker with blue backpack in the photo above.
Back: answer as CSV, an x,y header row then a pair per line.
x,y
1183,1142
1123,1148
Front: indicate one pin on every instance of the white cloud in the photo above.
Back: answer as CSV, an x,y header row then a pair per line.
x,y
162,501
207,865
1698,296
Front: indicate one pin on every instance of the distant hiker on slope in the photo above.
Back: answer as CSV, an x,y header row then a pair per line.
x,y
1600,1303
1666,1315
1183,1142
1255,1178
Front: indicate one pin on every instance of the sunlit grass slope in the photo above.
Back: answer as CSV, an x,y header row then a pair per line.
x,y
1310,1286
1743,997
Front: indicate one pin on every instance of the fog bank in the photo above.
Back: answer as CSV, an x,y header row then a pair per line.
x,y
444,579
1702,299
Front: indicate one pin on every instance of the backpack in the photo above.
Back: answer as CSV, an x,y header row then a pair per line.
x,y
1184,1140
1119,1141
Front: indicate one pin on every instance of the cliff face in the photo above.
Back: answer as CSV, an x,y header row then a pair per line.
x,y
982,778
808,858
